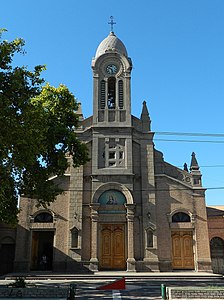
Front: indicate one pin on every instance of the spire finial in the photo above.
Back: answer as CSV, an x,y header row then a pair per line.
x,y
194,163
112,23
145,118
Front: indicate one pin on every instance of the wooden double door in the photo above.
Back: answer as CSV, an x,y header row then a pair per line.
x,y
182,248
112,247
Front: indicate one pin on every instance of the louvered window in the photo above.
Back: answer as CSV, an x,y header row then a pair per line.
x,y
121,94
102,95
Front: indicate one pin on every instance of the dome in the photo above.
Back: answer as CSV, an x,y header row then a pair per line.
x,y
113,44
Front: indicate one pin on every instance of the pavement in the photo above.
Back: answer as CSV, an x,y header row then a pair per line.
x,y
139,285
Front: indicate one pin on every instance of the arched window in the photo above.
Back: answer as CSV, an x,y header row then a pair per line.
x,y
43,217
181,217
121,94
74,237
149,236
102,95
217,247
111,98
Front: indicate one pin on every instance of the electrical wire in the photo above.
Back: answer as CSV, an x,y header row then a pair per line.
x,y
158,190
189,141
189,133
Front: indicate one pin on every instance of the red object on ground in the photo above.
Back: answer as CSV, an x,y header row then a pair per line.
x,y
116,285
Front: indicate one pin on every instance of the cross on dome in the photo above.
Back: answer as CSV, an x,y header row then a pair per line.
x,y
112,23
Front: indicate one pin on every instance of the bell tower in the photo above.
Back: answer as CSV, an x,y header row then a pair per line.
x,y
111,83
112,121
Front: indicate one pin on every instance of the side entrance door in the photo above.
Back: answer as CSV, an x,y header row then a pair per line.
x,y
182,250
42,247
112,247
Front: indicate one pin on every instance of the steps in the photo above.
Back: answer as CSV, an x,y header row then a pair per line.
x,y
116,275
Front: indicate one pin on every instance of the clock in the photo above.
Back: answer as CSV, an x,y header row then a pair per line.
x,y
111,69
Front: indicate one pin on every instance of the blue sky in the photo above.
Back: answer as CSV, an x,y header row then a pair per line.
x,y
177,50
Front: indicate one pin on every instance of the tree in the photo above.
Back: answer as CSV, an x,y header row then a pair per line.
x,y
37,123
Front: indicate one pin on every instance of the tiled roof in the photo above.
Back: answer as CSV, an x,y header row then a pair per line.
x,y
215,211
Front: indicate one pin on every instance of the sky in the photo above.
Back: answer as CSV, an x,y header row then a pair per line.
x,y
177,51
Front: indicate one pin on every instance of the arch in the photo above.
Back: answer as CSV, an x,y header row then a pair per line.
x,y
180,217
106,57
113,186
43,217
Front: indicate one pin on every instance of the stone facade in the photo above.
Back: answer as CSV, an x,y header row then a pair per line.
x,y
126,209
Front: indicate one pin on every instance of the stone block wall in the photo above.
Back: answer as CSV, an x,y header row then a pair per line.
x,y
195,293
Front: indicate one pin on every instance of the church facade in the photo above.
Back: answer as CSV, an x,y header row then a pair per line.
x,y
127,208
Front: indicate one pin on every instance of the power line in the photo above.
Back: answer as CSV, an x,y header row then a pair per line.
x,y
158,190
213,166
189,133
190,141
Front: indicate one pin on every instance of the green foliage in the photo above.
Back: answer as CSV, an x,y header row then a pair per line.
x,y
37,132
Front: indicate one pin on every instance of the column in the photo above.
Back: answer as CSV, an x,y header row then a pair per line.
x,y
130,221
94,218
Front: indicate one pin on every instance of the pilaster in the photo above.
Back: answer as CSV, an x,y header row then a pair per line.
x,y
130,223
94,262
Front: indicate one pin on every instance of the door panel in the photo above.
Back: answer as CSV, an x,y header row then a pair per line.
x,y
177,259
182,247
106,249
112,246
34,257
118,247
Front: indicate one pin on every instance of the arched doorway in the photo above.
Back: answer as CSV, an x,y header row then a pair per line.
x,y
112,228
217,255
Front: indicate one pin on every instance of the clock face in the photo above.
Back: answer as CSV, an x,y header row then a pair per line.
x,y
111,69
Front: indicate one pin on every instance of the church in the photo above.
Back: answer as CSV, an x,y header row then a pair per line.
x,y
127,208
